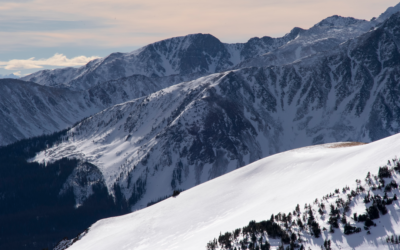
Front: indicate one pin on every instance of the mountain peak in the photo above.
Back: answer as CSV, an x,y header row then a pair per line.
x,y
389,11
338,21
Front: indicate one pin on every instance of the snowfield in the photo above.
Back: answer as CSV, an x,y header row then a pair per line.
x,y
274,184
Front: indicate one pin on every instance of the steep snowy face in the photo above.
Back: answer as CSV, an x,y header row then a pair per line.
x,y
192,132
28,109
271,185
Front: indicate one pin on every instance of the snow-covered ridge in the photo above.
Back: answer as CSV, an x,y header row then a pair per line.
x,y
269,186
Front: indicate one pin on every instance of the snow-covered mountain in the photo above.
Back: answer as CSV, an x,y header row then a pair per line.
x,y
195,131
276,184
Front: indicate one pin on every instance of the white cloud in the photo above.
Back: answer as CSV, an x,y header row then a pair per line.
x,y
56,60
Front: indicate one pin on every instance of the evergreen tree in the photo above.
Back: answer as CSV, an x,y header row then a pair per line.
x,y
300,224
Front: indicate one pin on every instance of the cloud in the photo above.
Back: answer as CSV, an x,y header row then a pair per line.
x,y
59,60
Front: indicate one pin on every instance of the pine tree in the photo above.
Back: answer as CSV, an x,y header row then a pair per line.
x,y
331,230
310,217
343,220
300,224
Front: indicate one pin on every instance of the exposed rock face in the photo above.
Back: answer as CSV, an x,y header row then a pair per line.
x,y
82,180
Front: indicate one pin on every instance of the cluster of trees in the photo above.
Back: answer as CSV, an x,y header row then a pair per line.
x,y
33,214
255,235
393,239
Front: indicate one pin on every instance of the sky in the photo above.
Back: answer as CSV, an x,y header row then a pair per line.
x,y
46,34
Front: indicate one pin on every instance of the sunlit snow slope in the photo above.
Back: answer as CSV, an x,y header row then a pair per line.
x,y
271,185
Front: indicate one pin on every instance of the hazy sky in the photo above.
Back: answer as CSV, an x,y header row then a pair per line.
x,y
39,34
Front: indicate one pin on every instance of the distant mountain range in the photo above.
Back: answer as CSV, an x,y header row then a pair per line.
x,y
9,76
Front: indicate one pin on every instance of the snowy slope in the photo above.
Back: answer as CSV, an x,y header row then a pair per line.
x,y
28,109
271,185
